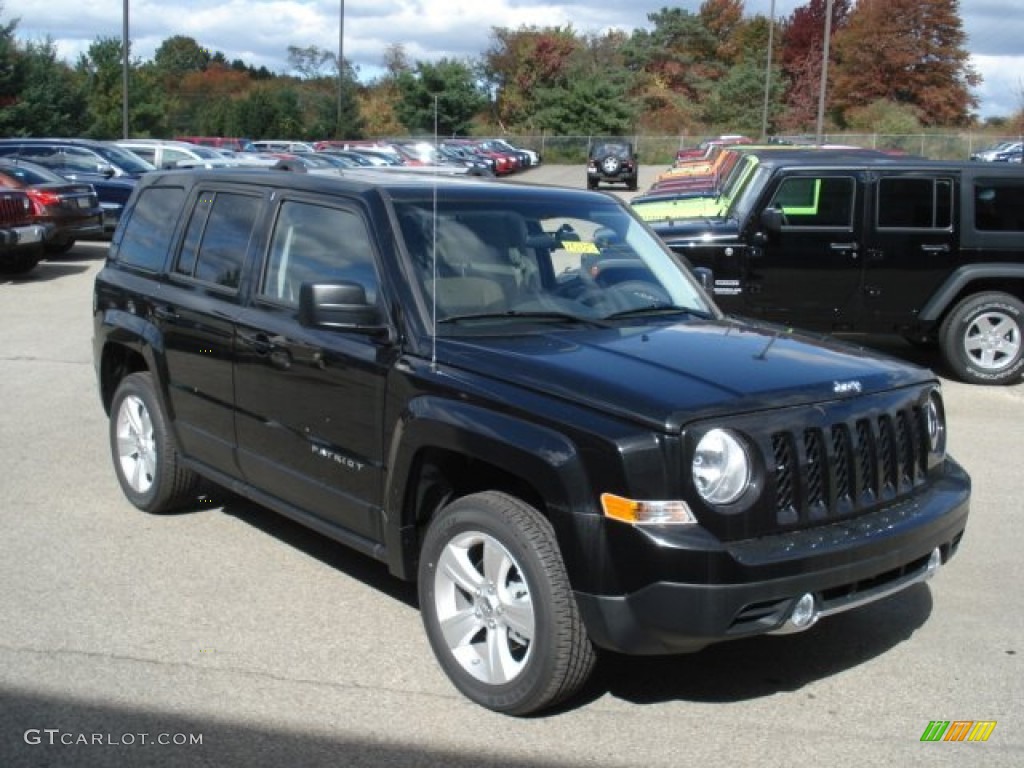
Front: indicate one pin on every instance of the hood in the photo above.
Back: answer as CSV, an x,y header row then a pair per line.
x,y
707,230
667,375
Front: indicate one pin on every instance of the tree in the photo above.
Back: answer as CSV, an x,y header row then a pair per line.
x,y
179,56
49,101
101,69
679,52
593,99
311,62
521,62
444,94
803,41
908,52
724,20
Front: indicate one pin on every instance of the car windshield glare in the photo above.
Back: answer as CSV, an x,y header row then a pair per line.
x,y
492,265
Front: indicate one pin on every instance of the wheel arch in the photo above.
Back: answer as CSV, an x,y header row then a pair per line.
x,y
444,450
969,280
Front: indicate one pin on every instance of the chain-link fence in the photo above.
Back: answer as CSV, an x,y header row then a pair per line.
x,y
662,149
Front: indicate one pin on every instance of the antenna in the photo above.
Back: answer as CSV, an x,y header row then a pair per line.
x,y
433,258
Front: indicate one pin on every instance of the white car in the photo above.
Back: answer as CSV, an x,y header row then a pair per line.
x,y
164,153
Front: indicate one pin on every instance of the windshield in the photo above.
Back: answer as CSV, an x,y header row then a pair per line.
x,y
500,267
123,160
741,205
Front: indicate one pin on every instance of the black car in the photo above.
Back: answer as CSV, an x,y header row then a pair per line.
x,y
856,244
612,162
517,397
111,170
70,208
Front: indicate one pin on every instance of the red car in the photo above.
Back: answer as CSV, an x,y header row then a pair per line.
x,y
71,208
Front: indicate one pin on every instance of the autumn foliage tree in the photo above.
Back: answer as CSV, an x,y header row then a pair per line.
x,y
909,53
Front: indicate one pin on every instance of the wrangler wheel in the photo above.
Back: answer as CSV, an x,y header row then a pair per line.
x,y
982,339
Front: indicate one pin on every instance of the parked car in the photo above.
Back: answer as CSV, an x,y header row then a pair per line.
x,y
21,236
219,142
112,171
612,162
281,145
991,154
71,208
432,374
167,153
931,251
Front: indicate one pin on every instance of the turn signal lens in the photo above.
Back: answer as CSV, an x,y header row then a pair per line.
x,y
646,512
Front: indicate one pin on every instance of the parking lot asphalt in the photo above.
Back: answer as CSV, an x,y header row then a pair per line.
x,y
271,646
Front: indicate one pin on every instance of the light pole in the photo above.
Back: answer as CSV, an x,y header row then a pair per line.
x,y
341,63
124,73
768,74
824,73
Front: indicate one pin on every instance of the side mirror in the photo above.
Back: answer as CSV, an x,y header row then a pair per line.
x,y
772,219
338,305
105,170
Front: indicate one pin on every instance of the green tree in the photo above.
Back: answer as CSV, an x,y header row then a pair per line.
x,y
50,101
908,52
679,53
592,100
445,94
101,71
178,56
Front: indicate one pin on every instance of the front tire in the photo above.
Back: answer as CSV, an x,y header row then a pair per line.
x,y
497,606
981,339
145,456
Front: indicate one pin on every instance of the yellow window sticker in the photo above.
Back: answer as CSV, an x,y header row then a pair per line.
x,y
579,246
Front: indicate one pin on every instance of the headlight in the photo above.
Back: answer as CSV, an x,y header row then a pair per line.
x,y
935,423
721,467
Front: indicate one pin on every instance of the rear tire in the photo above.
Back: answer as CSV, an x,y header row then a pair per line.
x,y
497,606
146,459
55,249
981,339
20,263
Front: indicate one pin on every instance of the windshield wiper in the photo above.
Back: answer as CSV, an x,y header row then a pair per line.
x,y
658,309
512,314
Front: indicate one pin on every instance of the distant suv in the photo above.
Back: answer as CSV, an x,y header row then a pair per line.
x,y
927,250
112,171
166,153
516,396
612,162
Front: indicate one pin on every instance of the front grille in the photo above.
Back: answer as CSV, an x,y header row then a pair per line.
x,y
12,209
827,471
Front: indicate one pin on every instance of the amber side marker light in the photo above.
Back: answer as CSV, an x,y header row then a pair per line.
x,y
646,512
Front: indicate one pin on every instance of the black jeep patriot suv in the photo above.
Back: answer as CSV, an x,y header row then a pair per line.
x,y
518,397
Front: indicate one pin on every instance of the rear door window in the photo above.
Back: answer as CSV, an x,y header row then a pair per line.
x,y
217,237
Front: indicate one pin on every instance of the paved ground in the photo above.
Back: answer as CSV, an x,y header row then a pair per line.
x,y
275,647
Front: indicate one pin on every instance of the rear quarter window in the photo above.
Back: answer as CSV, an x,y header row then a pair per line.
x,y
149,228
999,205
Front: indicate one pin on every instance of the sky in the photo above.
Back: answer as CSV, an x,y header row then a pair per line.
x,y
259,32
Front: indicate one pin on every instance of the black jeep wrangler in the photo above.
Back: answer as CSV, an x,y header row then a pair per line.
x,y
927,250
518,397
612,162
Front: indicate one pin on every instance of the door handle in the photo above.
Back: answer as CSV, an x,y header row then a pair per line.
x,y
165,313
942,248
844,246
260,343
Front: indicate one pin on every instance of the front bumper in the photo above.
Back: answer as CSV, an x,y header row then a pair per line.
x,y
751,587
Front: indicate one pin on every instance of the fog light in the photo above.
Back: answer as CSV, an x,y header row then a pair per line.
x,y
805,612
934,563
